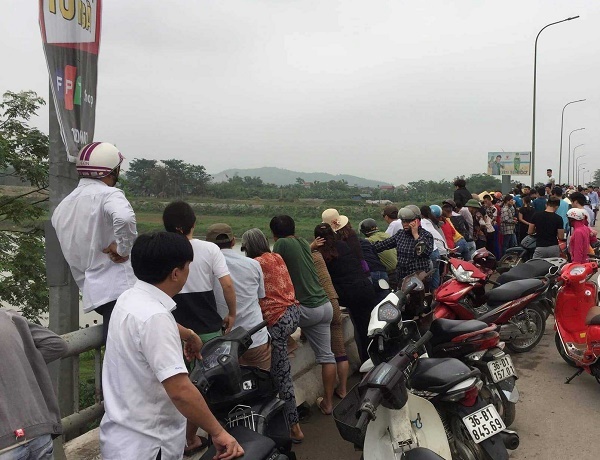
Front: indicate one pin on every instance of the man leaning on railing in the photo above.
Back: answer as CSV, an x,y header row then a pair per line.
x,y
29,413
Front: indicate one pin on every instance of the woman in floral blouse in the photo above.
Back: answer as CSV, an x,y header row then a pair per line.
x,y
280,309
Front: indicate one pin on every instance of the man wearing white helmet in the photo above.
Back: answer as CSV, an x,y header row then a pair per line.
x,y
96,228
581,236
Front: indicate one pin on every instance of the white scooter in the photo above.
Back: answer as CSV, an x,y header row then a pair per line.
x,y
381,417
409,421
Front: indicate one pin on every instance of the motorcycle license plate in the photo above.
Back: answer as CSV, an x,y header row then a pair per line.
x,y
484,423
501,369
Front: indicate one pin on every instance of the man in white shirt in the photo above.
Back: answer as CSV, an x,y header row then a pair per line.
x,y
249,286
551,179
96,228
390,215
147,393
196,303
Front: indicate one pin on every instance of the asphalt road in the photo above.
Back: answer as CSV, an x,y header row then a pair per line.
x,y
554,421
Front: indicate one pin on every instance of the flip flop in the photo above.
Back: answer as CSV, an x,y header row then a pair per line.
x,y
296,440
335,392
319,401
195,450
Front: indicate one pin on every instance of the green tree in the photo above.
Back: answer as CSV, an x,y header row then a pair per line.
x,y
596,178
24,155
139,177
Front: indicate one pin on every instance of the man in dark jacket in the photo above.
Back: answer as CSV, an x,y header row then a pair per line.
x,y
461,194
29,413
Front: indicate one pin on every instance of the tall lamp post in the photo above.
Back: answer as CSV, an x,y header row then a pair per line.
x,y
576,162
579,169
562,119
569,158
587,171
534,92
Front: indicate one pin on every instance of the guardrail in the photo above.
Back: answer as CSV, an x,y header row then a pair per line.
x,y
79,342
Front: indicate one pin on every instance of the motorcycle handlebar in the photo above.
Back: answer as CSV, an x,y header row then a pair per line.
x,y
419,343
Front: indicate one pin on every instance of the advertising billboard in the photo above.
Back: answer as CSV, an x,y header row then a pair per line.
x,y
512,163
71,35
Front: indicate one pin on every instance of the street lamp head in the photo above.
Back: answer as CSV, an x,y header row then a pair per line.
x,y
571,18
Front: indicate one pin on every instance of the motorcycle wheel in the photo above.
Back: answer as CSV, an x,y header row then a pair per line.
x,y
464,447
562,352
509,410
493,394
537,316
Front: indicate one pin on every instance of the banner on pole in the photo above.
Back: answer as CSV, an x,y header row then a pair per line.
x,y
71,35
509,163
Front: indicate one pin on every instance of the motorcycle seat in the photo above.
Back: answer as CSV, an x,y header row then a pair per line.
x,y
532,269
256,446
593,316
438,375
444,330
513,290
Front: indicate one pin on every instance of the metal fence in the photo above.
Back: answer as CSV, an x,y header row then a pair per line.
x,y
79,342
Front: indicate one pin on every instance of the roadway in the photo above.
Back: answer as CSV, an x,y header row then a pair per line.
x,y
554,420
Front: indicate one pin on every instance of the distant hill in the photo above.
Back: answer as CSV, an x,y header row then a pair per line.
x,y
280,176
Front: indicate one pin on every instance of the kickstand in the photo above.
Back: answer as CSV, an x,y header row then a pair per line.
x,y
576,374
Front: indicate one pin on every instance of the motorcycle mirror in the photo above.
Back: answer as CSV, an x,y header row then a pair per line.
x,y
420,248
383,284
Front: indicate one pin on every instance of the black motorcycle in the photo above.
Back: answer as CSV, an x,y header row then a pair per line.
x,y
243,398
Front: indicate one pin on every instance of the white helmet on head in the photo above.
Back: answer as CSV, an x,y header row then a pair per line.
x,y
576,214
98,159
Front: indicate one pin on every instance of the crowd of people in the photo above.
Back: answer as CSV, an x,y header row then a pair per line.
x,y
163,294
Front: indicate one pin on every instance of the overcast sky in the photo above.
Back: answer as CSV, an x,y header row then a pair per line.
x,y
389,90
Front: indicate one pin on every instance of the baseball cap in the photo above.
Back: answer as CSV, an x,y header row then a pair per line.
x,y
449,202
219,233
391,211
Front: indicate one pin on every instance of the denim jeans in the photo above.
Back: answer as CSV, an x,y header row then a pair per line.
x,y
435,276
463,248
39,448
472,247
508,241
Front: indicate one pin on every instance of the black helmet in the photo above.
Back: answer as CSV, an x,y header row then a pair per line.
x,y
368,226
484,259
406,214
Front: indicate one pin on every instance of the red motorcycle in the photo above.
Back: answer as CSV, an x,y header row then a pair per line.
x,y
514,306
578,319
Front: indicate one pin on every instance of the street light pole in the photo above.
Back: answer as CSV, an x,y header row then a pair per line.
x,y
562,119
569,159
586,171
534,92
579,169
575,163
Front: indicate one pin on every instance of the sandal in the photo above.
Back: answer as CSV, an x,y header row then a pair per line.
x,y
319,401
195,450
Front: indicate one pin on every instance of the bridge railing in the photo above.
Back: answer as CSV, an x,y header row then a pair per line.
x,y
81,341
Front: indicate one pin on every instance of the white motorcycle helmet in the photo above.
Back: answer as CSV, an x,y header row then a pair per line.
x,y
576,214
98,160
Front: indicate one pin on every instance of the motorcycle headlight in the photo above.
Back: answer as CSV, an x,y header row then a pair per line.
x,y
464,276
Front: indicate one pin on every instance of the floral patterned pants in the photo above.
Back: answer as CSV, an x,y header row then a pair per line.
x,y
281,369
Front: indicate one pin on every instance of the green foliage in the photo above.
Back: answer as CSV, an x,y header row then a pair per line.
x,y
168,178
23,154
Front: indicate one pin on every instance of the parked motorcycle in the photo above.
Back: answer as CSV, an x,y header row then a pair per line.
x,y
478,345
449,384
515,306
243,398
518,254
548,268
578,319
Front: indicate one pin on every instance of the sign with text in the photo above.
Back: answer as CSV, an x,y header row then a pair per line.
x,y
510,163
71,35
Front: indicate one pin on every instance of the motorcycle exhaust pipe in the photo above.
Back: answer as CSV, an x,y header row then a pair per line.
x,y
510,439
